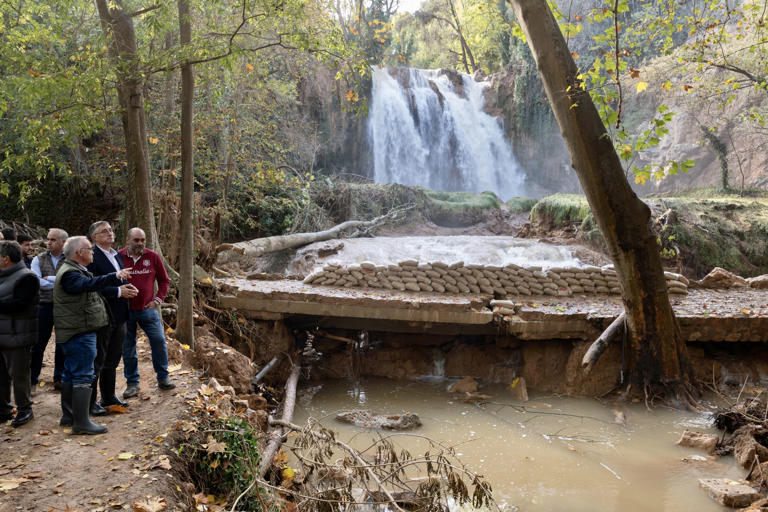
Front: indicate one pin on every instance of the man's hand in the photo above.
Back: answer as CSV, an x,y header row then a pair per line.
x,y
124,274
128,291
154,303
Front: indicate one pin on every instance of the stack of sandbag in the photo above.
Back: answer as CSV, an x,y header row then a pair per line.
x,y
509,280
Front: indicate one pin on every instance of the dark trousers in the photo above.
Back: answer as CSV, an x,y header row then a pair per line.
x,y
44,330
109,347
14,371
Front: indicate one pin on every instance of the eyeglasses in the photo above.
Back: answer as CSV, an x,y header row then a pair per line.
x,y
104,231
89,249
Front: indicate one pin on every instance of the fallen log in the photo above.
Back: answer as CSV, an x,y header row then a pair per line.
x,y
601,343
276,438
260,246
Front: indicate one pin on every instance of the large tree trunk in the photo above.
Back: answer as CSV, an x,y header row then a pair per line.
x,y
118,27
184,321
657,358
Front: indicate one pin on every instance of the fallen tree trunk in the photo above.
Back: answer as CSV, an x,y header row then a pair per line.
x,y
597,348
260,246
277,436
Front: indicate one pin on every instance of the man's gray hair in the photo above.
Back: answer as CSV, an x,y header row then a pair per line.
x,y
59,233
74,244
95,226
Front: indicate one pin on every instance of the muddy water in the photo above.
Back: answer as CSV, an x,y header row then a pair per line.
x,y
556,454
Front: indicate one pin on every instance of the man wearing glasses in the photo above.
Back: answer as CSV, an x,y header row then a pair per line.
x,y
79,312
109,338
45,266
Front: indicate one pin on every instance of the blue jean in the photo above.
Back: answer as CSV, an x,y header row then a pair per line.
x,y
150,322
79,353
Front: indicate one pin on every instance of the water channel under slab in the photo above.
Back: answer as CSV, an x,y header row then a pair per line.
x,y
555,454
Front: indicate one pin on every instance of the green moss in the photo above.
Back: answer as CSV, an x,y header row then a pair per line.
x,y
520,204
559,211
455,209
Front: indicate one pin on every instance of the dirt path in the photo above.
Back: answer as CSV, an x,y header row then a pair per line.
x,y
44,467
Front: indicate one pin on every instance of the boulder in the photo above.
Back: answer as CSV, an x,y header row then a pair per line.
x,y
721,278
465,385
729,492
706,442
369,419
759,282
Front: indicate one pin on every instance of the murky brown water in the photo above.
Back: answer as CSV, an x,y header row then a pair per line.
x,y
570,457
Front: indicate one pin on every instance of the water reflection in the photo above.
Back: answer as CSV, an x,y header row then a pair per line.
x,y
551,454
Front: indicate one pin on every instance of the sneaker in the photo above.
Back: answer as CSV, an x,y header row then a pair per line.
x,y
166,384
131,391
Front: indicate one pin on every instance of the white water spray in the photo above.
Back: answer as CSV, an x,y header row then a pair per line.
x,y
429,135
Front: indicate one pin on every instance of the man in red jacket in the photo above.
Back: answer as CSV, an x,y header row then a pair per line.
x,y
147,268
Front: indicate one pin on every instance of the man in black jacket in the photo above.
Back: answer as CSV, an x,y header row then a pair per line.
x,y
19,294
109,343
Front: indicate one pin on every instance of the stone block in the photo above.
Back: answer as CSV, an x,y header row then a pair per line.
x,y
729,493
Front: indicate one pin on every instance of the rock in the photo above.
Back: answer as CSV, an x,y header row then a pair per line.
x,y
465,385
746,448
721,278
760,282
518,389
706,442
757,506
255,401
368,419
222,361
729,492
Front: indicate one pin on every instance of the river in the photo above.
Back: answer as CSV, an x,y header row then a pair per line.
x,y
554,454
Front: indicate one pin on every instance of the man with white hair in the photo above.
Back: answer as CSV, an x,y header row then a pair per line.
x,y
79,312
45,266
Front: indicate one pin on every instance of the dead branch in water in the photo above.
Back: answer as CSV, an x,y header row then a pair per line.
x,y
261,246
277,436
601,343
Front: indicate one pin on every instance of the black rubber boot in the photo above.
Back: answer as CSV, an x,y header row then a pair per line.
x,y
81,400
94,408
107,387
66,404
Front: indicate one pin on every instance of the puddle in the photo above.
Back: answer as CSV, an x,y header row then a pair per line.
x,y
556,454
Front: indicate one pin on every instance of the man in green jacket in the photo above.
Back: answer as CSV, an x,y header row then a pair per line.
x,y
79,311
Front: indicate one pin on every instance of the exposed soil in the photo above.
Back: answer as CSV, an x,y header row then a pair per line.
x,y
44,467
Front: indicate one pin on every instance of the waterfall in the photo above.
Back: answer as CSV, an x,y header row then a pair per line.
x,y
428,128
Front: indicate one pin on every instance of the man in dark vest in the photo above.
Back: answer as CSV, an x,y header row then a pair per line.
x,y
45,266
19,293
109,339
79,311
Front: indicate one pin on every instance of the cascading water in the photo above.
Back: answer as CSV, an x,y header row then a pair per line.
x,y
425,131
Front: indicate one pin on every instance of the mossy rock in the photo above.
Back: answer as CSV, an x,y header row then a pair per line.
x,y
727,231
459,209
520,204
559,211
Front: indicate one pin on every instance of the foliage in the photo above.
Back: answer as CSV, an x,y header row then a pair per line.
x,y
221,452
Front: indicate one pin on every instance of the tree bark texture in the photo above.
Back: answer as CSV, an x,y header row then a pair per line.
x,y
184,321
118,27
276,438
657,356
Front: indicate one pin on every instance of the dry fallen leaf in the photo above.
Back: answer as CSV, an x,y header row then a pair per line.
x,y
34,474
125,456
151,505
214,446
11,483
116,409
